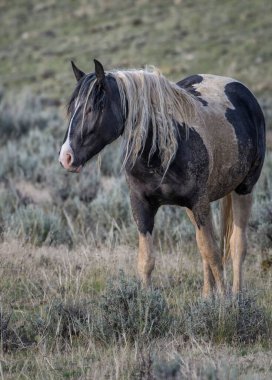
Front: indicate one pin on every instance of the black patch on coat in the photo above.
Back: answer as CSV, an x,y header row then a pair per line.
x,y
184,184
143,213
188,83
249,125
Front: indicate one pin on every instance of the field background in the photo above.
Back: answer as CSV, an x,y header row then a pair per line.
x,y
70,306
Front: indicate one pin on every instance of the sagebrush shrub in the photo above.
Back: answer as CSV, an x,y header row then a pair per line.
x,y
69,186
111,160
227,320
123,312
127,311
63,319
34,225
173,226
28,158
24,112
110,212
167,369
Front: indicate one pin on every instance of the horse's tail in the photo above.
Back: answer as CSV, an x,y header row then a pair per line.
x,y
226,226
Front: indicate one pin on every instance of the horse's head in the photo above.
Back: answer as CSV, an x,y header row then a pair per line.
x,y
96,117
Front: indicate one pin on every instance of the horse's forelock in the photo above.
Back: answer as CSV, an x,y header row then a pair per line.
x,y
80,93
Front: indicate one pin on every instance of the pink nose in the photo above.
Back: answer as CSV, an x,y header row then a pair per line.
x,y
66,159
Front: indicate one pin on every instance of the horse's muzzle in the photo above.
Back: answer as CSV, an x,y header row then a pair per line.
x,y
66,158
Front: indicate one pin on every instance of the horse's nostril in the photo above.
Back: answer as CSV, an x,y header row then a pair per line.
x,y
66,157
69,159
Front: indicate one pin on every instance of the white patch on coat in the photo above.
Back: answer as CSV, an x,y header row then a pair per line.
x,y
66,147
216,131
212,88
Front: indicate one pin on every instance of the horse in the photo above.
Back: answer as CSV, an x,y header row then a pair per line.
x,y
188,144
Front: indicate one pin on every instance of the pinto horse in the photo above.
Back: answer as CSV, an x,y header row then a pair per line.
x,y
188,144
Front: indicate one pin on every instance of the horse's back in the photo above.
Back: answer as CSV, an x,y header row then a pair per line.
x,y
232,127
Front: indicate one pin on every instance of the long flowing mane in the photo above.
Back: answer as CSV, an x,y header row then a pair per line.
x,y
148,100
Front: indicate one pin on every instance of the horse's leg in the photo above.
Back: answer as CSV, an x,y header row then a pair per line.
x,y
241,207
208,276
146,258
144,215
212,260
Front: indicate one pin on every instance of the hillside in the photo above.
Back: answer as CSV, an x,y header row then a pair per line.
x,y
38,39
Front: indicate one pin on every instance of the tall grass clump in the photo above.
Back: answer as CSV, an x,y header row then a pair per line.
x,y
8,205
8,202
227,320
128,312
14,335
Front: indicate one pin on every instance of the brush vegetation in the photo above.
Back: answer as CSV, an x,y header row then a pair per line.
x,y
71,306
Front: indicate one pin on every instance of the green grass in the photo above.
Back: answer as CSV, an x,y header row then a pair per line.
x,y
229,38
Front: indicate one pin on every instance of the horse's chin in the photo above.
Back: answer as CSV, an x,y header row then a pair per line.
x,y
84,161
76,169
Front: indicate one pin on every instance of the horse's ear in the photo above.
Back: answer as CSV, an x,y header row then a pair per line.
x,y
78,73
99,71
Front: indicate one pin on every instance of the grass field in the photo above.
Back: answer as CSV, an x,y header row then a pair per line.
x,y
70,303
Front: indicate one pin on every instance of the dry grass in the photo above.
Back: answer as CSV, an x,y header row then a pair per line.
x,y
49,296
